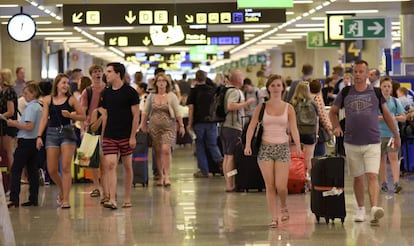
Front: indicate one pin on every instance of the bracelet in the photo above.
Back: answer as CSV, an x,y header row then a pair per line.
x,y
39,136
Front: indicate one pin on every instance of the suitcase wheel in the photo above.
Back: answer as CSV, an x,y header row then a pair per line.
x,y
326,220
317,218
343,220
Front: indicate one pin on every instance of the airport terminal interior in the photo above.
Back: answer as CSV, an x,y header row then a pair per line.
x,y
47,37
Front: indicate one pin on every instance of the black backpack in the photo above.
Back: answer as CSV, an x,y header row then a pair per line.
x,y
217,107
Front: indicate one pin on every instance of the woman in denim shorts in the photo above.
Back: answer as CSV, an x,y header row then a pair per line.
x,y
59,109
274,153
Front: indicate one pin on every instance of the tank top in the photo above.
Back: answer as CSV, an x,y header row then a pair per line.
x,y
56,118
275,127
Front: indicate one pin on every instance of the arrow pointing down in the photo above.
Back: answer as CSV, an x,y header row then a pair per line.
x,y
377,28
146,41
130,18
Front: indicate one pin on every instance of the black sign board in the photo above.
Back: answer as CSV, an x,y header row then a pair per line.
x,y
163,14
174,36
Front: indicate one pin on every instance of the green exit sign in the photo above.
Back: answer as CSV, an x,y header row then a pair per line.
x,y
242,4
365,28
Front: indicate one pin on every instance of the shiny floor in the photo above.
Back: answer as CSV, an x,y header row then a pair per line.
x,y
199,212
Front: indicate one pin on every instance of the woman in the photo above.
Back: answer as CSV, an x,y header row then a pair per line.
x,y
142,92
274,153
59,108
26,150
162,110
324,122
387,149
302,94
8,109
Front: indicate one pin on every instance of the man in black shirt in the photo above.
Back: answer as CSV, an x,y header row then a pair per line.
x,y
199,102
121,103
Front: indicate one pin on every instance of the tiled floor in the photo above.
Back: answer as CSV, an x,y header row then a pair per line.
x,y
199,212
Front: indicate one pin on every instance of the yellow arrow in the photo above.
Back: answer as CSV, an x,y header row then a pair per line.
x,y
130,18
146,41
76,18
112,41
189,18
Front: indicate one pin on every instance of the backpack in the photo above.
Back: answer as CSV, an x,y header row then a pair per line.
x,y
306,117
217,111
345,92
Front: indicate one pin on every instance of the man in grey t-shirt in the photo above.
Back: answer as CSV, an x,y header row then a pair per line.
x,y
362,138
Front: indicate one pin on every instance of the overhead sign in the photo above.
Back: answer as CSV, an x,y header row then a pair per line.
x,y
317,40
334,26
261,58
353,51
288,59
174,36
365,28
156,57
264,4
163,14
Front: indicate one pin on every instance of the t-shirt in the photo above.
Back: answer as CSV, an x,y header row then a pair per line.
x,y
361,110
201,97
234,118
33,114
118,105
96,92
252,106
395,107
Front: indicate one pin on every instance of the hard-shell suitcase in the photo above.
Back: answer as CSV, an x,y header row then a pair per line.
x,y
327,195
297,173
248,175
140,159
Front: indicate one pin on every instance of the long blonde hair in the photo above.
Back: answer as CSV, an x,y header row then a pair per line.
x,y
302,93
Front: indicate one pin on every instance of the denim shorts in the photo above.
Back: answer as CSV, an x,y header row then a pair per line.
x,y
55,137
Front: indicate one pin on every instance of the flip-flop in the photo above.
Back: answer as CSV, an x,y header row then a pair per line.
x,y
110,205
65,206
126,205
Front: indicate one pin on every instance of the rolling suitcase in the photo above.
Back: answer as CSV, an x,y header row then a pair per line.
x,y
248,175
140,159
297,173
327,195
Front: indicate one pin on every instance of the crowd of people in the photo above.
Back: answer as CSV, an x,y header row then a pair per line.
x,y
106,104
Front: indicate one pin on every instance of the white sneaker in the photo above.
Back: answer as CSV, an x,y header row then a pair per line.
x,y
359,214
376,214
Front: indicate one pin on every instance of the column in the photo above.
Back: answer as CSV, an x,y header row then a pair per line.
x,y
407,32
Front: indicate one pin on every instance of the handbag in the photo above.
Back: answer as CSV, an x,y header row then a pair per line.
x,y
89,151
258,132
323,135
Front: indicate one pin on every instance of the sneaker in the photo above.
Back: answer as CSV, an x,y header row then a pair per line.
x,y
359,214
376,214
384,187
397,188
199,174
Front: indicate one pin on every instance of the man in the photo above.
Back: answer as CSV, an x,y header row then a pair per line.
x,y
89,105
199,102
75,78
20,81
337,76
232,126
250,91
122,108
307,71
374,77
184,85
362,138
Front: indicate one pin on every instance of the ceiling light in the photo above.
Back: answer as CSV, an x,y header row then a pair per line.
x,y
198,26
249,35
285,37
292,34
326,3
8,5
249,26
357,11
53,33
112,28
100,33
316,29
302,1
375,1
59,5
5,16
310,25
290,12
253,30
50,29
318,18
43,22
72,38
395,23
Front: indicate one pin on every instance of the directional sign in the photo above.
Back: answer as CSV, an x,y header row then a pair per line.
x,y
316,40
261,58
173,37
365,28
163,14
334,27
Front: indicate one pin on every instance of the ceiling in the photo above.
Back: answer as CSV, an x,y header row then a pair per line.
x,y
89,40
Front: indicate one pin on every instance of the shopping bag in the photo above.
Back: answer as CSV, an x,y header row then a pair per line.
x,y
88,151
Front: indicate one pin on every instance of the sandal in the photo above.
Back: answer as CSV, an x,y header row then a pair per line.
x,y
126,205
59,200
65,206
273,223
95,193
110,205
285,215
105,199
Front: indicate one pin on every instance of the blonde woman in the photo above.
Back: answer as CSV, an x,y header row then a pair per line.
x,y
59,109
8,109
308,139
274,153
162,110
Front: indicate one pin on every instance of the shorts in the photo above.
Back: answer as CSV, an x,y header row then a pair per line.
x,y
274,152
308,139
55,138
385,148
363,159
229,139
113,147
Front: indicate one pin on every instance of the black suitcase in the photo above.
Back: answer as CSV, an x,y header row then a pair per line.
x,y
328,174
140,160
248,175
